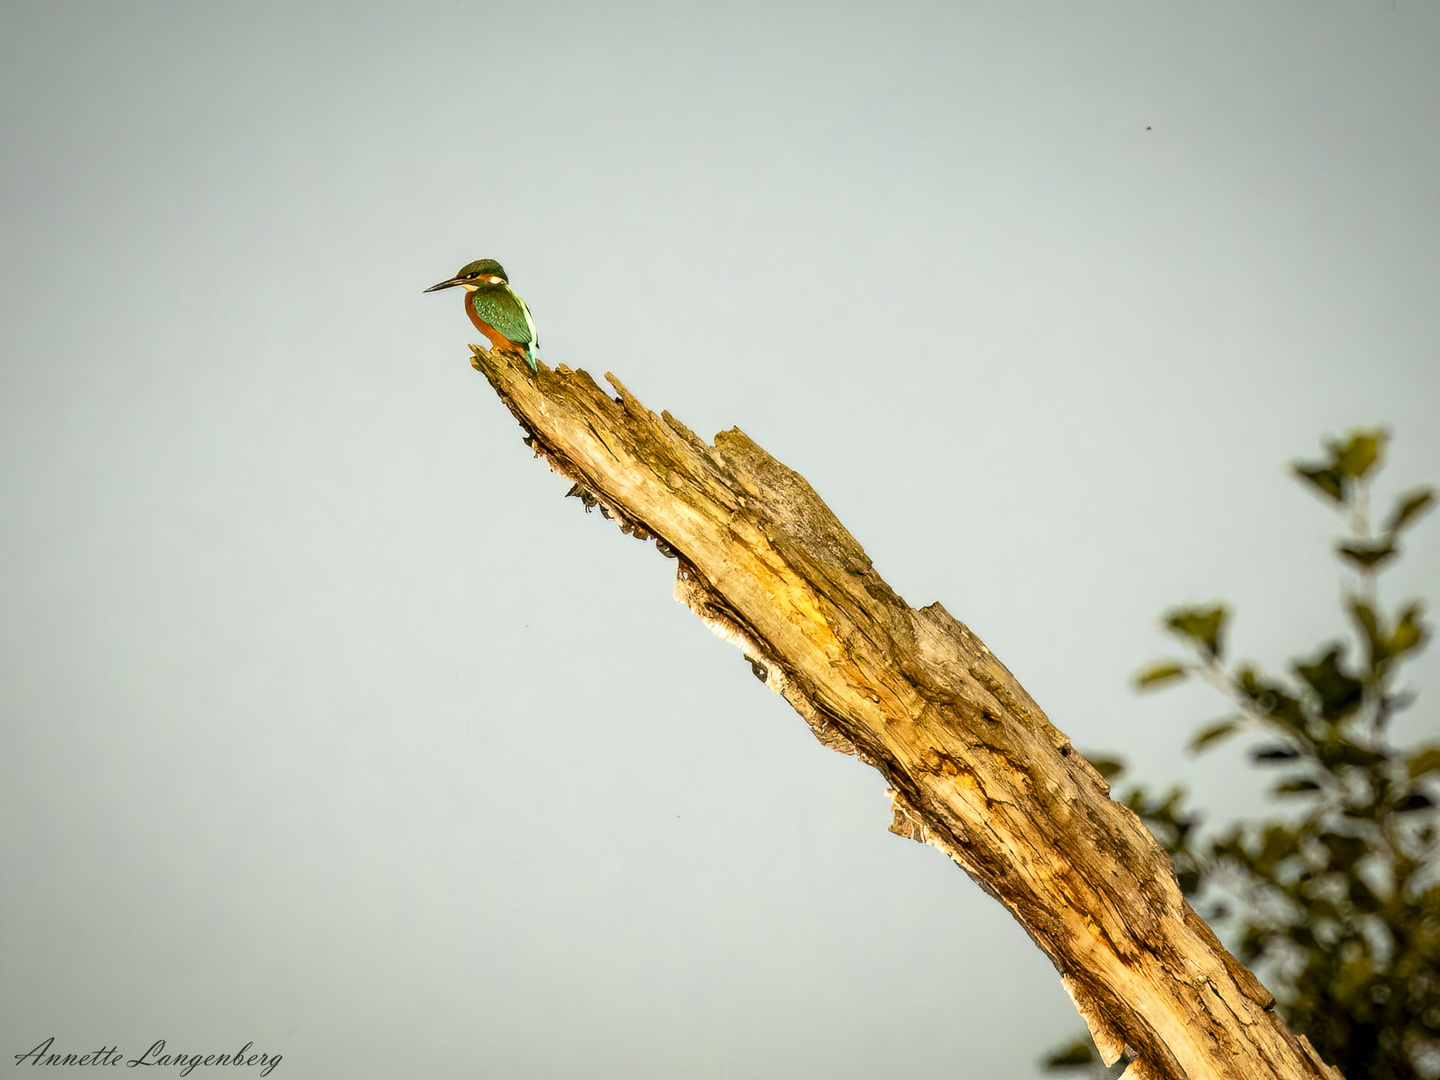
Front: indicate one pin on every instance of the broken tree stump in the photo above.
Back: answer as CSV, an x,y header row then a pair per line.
x,y
974,766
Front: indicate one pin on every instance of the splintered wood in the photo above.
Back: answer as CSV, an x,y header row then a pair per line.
x,y
974,766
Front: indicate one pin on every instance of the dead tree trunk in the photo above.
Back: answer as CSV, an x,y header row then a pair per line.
x,y
974,766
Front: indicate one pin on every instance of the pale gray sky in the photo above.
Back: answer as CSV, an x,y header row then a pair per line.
x,y
327,724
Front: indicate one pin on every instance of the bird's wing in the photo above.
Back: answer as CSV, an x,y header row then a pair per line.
x,y
506,312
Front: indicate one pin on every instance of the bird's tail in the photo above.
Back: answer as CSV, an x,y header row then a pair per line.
x,y
530,357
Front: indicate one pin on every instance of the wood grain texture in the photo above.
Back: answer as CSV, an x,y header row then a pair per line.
x,y
974,766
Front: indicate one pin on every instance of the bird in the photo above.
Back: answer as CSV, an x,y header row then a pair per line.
x,y
496,309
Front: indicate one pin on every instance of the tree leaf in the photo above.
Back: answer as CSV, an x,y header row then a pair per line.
x,y
1273,754
1280,843
1367,555
1369,623
1345,851
1334,752
1302,936
1424,759
1340,694
1361,895
1159,673
1106,767
1409,633
1253,943
1349,460
1218,913
1409,508
1204,626
1326,479
1272,699
1363,451
1213,733
1080,1052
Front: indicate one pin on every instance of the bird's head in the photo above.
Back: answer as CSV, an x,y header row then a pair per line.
x,y
474,275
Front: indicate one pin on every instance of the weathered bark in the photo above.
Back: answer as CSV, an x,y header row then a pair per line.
x,y
974,766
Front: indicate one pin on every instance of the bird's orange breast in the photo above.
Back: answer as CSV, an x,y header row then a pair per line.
x,y
495,337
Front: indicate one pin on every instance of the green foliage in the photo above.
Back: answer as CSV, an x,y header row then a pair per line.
x,y
1336,904
1349,462
1079,1052
1203,628
1160,673
1211,734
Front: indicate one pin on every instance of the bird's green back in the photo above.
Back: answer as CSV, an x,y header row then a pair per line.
x,y
500,307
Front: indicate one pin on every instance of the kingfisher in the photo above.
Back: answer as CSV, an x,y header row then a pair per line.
x,y
496,309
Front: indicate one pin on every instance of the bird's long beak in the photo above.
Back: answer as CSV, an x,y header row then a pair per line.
x,y
447,284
